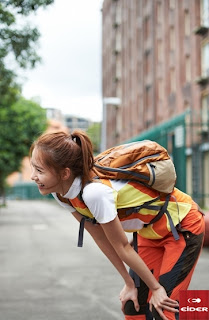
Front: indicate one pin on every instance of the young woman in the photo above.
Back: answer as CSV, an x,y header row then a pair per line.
x,y
62,165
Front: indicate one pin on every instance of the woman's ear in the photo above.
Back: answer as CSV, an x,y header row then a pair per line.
x,y
66,173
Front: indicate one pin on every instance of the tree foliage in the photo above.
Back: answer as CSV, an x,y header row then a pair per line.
x,y
17,40
19,126
94,133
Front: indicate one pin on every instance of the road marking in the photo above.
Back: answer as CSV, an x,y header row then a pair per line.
x,y
40,227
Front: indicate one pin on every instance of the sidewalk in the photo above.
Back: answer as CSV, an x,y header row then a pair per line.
x,y
44,276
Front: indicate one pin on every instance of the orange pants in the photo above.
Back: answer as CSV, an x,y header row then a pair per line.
x,y
172,263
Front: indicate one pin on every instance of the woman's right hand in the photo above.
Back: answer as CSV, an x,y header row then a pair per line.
x,y
161,301
129,293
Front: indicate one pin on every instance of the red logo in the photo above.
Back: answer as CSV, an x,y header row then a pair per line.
x,y
194,305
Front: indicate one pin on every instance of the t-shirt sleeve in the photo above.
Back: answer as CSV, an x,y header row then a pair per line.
x,y
101,201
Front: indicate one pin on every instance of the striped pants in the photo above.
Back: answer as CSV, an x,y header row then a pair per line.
x,y
172,263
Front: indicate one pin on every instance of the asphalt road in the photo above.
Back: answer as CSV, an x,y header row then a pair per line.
x,y
44,276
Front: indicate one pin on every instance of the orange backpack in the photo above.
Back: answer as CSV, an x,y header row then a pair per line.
x,y
144,161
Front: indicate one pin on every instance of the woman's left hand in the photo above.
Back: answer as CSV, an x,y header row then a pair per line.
x,y
129,293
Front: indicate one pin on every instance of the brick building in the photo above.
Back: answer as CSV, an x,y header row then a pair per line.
x,y
152,60
156,61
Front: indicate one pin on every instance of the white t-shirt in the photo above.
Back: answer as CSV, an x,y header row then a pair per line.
x,y
98,197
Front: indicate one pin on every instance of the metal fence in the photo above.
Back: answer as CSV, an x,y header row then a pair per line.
x,y
25,191
188,144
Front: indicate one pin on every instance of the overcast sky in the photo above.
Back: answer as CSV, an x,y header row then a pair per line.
x,y
69,77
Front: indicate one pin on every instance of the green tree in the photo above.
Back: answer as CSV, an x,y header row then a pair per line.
x,y
20,120
17,41
94,133
19,126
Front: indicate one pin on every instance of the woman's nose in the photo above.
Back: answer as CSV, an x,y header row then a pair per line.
x,y
33,176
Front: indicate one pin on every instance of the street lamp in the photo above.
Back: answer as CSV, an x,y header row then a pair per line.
x,y
113,101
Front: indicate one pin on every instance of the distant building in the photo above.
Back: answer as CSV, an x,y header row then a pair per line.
x,y
73,122
56,114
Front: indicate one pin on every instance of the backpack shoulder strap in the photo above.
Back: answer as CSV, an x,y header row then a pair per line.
x,y
81,229
161,213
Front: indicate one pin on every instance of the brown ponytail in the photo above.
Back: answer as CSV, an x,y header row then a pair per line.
x,y
61,150
87,153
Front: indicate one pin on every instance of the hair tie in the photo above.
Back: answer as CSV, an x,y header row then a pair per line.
x,y
73,138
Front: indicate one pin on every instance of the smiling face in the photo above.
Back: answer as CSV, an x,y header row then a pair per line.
x,y
46,178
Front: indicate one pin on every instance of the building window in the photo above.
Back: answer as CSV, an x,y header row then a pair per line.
x,y
205,113
205,13
205,60
160,89
118,16
118,67
188,69
159,12
148,64
172,4
118,42
187,30
147,27
173,80
159,51
172,38
148,97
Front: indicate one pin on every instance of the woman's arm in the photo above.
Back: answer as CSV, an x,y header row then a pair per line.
x,y
112,240
116,236
105,246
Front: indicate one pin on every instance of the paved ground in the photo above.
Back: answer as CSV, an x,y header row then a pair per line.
x,y
44,276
